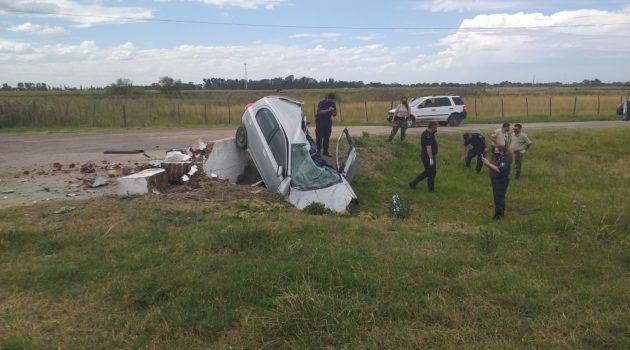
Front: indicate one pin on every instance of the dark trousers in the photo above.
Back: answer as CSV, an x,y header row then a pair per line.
x,y
471,154
499,189
429,173
323,130
518,161
399,123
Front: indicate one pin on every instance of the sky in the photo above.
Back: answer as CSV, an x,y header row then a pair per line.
x,y
95,42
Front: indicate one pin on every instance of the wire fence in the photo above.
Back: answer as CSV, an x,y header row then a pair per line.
x,y
111,112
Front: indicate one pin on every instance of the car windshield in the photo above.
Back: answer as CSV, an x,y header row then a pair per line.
x,y
305,174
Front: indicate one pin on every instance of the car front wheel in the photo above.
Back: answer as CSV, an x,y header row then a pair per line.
x,y
410,121
241,137
454,120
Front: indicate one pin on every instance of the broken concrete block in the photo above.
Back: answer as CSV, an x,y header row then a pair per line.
x,y
198,146
175,170
176,156
149,180
99,181
226,161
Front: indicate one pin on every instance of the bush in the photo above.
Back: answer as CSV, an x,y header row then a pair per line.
x,y
316,208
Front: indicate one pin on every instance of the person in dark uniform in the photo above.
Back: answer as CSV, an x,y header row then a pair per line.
x,y
428,156
479,148
326,110
500,177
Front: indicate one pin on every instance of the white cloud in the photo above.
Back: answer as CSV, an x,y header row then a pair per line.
x,y
37,29
505,50
467,5
563,41
83,15
315,35
247,4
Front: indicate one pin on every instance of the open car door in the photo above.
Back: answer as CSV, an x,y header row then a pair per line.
x,y
347,165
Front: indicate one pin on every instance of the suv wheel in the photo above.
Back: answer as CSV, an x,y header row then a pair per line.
x,y
455,119
241,137
410,121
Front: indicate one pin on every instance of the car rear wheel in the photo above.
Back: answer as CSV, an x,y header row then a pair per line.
x,y
454,120
241,137
410,121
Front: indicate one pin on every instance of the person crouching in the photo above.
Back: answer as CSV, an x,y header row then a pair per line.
x,y
499,177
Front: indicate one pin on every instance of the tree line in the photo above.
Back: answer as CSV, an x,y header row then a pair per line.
x,y
170,86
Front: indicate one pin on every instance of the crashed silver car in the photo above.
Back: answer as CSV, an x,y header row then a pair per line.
x,y
275,134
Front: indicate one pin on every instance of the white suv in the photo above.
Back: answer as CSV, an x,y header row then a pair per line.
x,y
446,110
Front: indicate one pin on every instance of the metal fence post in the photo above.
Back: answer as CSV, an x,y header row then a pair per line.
x,y
229,111
550,106
475,107
124,111
598,105
502,111
366,113
574,105
526,107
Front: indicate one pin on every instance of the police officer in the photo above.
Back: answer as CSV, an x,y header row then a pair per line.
x,y
499,177
428,156
478,143
326,110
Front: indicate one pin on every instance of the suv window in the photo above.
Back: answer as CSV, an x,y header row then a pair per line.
x,y
458,101
273,135
442,101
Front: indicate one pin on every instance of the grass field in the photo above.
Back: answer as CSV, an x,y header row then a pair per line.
x,y
213,269
90,109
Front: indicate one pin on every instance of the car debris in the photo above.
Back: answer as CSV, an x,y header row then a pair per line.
x,y
274,133
7,191
123,151
176,156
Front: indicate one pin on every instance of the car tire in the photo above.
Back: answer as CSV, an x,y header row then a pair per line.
x,y
410,122
241,137
454,120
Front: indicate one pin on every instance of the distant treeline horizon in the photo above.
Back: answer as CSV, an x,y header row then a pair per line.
x,y
290,82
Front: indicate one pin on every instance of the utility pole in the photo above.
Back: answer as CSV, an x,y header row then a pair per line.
x,y
245,76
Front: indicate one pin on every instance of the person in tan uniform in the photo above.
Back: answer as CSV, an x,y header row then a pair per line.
x,y
519,145
399,120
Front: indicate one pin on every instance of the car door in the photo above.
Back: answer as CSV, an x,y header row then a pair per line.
x,y
273,149
346,155
426,110
444,108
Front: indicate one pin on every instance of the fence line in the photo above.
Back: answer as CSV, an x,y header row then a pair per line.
x,y
118,112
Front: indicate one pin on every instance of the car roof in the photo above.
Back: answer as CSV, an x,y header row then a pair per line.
x,y
288,111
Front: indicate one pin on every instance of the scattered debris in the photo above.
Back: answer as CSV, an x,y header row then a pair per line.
x,y
193,170
87,168
124,151
71,165
149,180
65,210
57,166
176,156
176,170
26,172
23,180
72,194
99,181
7,191
156,163
198,145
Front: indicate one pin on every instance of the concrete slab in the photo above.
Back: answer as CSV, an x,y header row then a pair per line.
x,y
149,180
226,160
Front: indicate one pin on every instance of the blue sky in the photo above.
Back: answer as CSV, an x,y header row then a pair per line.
x,y
94,42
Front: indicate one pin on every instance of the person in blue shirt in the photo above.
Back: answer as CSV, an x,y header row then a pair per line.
x,y
479,148
326,110
499,171
428,156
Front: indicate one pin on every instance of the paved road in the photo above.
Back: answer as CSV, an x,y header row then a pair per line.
x,y
23,152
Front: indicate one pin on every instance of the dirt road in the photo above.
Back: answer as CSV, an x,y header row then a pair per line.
x,y
27,175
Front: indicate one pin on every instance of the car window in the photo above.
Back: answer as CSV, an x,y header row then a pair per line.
x,y
458,101
305,174
442,101
274,136
427,103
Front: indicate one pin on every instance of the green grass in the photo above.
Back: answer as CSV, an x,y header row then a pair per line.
x,y
180,272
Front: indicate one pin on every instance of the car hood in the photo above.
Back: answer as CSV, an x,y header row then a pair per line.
x,y
338,197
